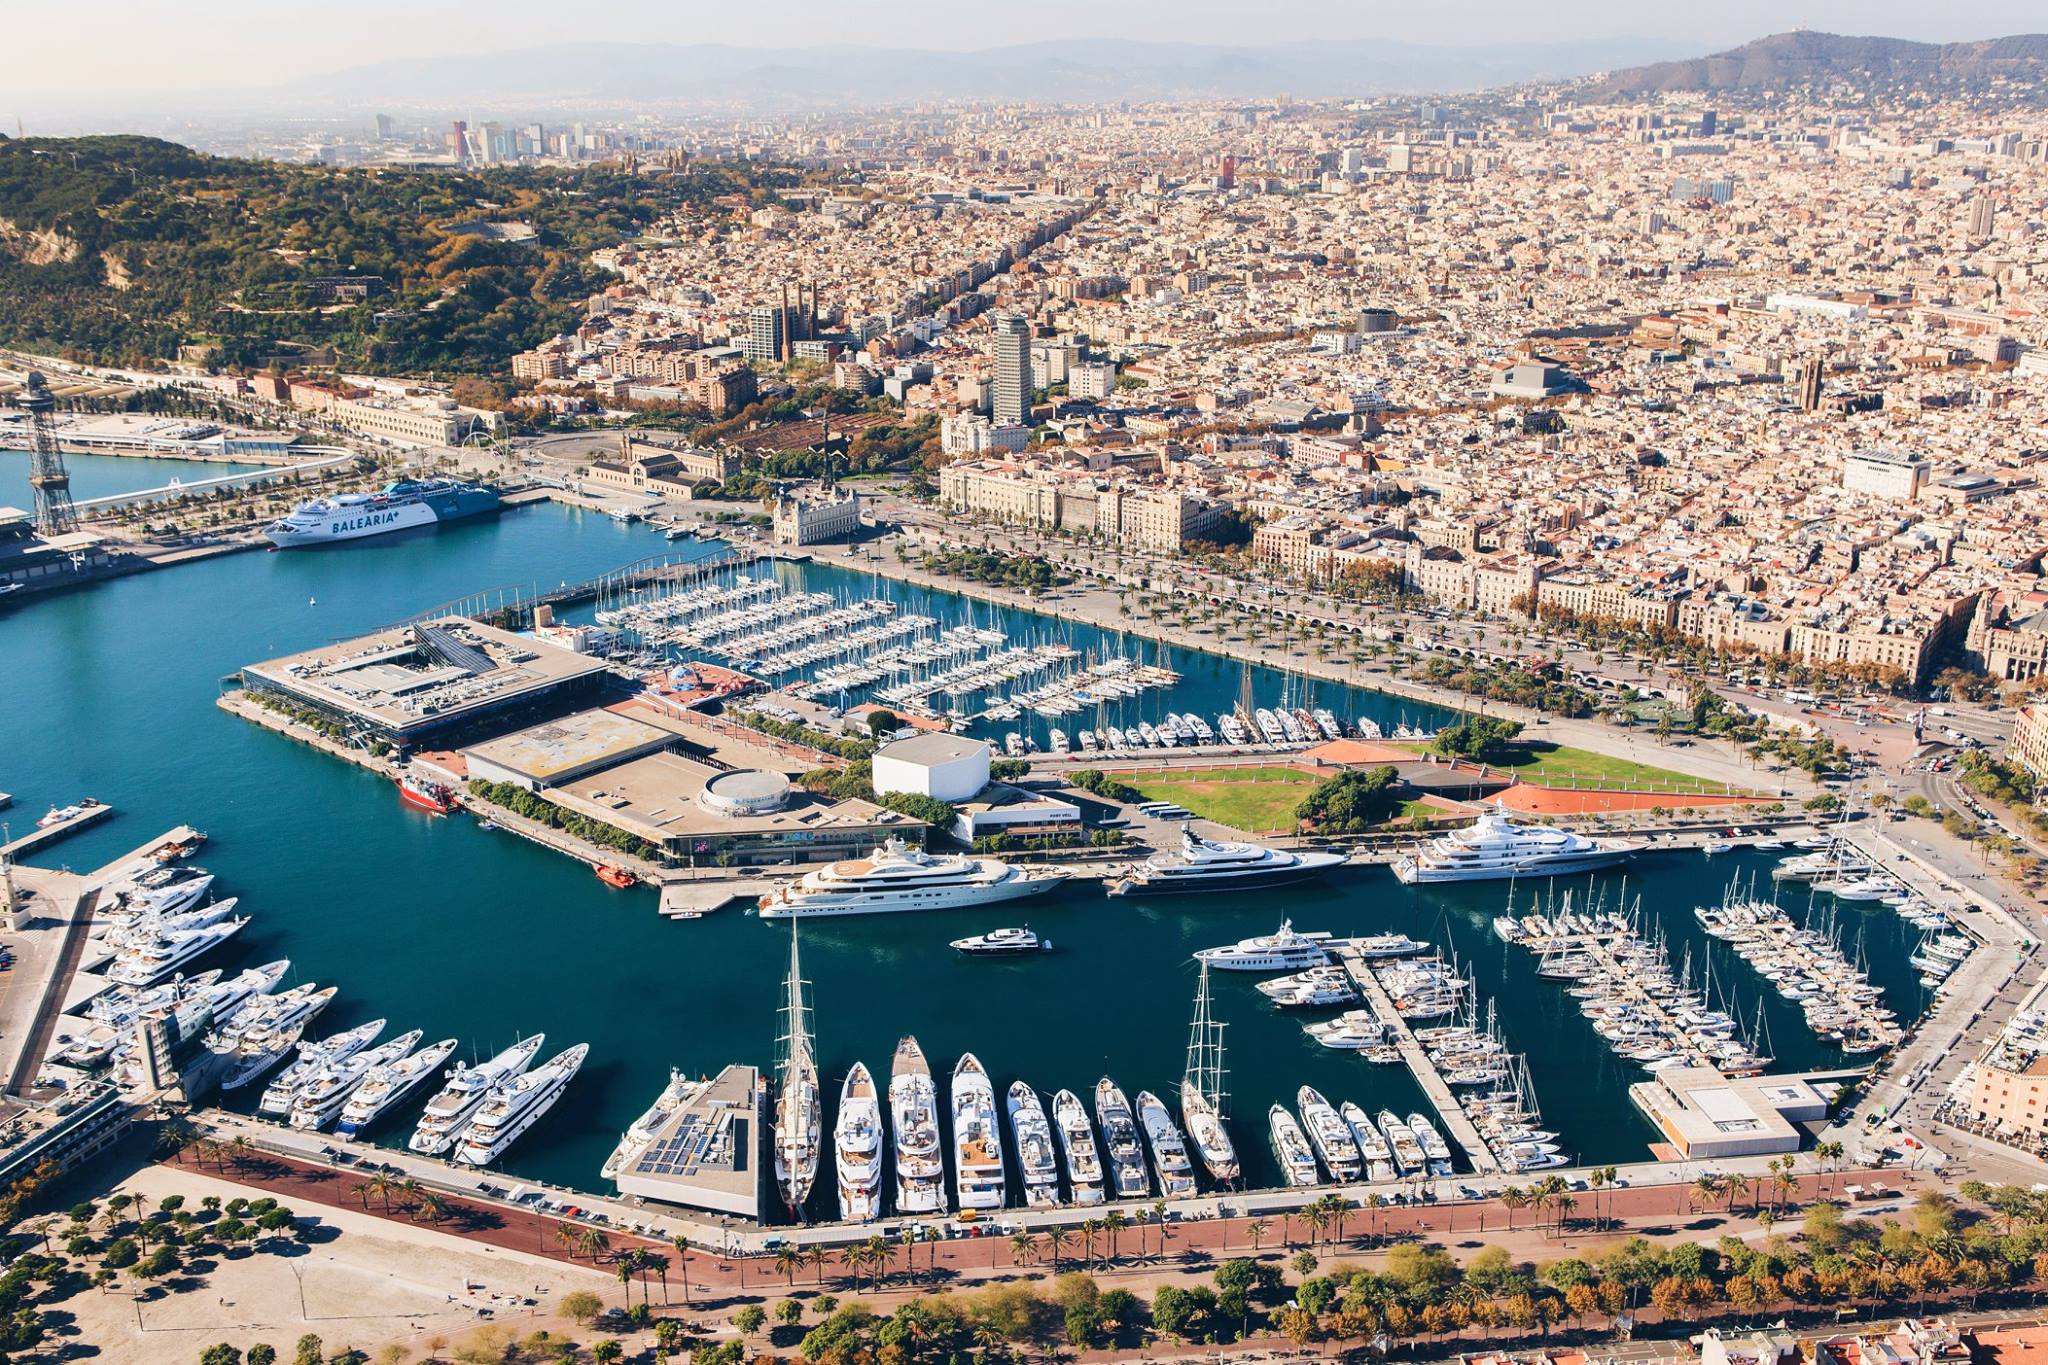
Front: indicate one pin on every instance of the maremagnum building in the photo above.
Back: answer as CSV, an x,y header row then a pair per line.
x,y
436,682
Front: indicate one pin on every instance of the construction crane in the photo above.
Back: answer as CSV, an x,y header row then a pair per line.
x,y
55,514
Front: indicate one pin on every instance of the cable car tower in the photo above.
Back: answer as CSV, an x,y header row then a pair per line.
x,y
46,473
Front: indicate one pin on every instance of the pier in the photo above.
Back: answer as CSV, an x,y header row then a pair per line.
x,y
43,838
1449,1112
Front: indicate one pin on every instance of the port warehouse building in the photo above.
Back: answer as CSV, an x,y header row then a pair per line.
x,y
702,796
502,707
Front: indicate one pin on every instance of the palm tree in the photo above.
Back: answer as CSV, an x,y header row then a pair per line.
x,y
682,1246
1023,1248
819,1258
1708,1188
1159,1223
1113,1223
1317,1217
570,1239
361,1190
381,1185
1089,1227
623,1267
658,1263
1513,1197
1056,1239
788,1260
1373,1204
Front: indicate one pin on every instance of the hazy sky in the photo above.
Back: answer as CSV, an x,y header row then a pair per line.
x,y
115,45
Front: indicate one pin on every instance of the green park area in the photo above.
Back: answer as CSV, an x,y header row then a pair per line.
x,y
1250,799
1560,765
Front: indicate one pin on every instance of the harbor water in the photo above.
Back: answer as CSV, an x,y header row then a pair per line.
x,y
437,924
104,476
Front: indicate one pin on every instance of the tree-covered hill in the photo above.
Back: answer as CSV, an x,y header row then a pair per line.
x,y
121,249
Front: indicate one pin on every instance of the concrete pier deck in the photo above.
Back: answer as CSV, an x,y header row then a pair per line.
x,y
693,900
1449,1112
43,838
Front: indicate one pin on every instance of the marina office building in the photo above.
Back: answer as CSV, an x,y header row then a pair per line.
x,y
1704,1114
443,680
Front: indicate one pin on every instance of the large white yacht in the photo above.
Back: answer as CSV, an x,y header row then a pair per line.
x,y
1494,847
977,1143
321,1097
857,1145
516,1106
384,1086
1170,1160
452,1106
1215,865
1077,1145
1120,1135
1036,1161
313,1059
1282,951
914,1117
898,877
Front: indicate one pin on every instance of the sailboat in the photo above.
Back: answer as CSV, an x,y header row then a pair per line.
x,y
1201,1092
797,1120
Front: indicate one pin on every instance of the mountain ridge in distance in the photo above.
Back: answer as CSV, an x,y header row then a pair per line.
x,y
1806,57
1050,70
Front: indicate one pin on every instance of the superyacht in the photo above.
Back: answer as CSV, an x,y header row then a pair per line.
x,y
313,1058
1283,951
1169,1147
1036,1161
914,1118
384,1086
1202,1098
139,931
1214,865
1290,1148
1120,1136
896,877
1496,847
455,1103
148,963
977,1143
798,1105
1372,1144
515,1107
1077,1145
857,1147
679,1091
320,1098
260,1040
1330,1136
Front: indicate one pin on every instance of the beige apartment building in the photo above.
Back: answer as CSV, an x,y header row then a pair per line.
x,y
431,422
1143,518
2029,746
2017,1101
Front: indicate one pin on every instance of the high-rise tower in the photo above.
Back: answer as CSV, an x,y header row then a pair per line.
x,y
46,473
1011,399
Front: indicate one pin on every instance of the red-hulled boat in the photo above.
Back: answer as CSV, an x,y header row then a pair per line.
x,y
617,877
421,794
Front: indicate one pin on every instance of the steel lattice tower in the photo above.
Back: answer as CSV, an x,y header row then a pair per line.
x,y
54,513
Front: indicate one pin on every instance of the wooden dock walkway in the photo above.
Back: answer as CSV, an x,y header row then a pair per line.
x,y
43,838
1449,1112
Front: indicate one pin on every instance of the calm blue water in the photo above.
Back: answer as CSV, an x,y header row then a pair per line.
x,y
102,476
433,923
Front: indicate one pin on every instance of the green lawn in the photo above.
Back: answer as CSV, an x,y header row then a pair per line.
x,y
1560,765
1250,799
